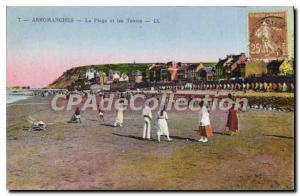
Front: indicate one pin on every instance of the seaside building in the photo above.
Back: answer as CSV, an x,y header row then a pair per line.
x,y
124,78
256,68
193,72
172,70
239,66
180,72
102,78
137,76
273,67
90,74
207,73
231,66
286,67
280,67
155,72
164,74
116,76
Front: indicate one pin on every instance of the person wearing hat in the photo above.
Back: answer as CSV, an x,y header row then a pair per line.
x,y
119,117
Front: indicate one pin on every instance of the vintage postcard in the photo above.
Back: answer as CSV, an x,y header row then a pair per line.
x,y
150,98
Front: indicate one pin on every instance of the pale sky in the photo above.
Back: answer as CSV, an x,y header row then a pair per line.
x,y
38,53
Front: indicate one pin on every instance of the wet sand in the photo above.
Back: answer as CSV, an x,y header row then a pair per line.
x,y
94,155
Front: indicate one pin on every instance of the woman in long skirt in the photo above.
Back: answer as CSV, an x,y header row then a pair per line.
x,y
204,123
119,117
163,125
232,121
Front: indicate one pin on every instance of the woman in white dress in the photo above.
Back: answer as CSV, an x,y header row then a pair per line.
x,y
162,125
205,130
119,117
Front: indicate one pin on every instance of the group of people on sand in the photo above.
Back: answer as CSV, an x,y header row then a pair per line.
x,y
163,129
162,117
204,129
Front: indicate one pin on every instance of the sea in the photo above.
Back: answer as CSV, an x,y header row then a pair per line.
x,y
12,97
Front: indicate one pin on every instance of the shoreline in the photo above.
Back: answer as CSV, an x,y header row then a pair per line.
x,y
277,100
18,99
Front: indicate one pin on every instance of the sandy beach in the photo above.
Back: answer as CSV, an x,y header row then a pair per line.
x,y
94,155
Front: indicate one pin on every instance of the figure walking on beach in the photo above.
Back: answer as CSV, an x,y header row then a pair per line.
x,y
76,116
232,121
162,124
147,122
205,130
100,113
119,117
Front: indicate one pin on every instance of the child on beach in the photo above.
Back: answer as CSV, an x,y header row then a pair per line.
x,y
101,114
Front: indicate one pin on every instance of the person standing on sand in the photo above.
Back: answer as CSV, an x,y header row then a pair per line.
x,y
100,113
162,124
232,121
147,114
76,116
205,130
119,117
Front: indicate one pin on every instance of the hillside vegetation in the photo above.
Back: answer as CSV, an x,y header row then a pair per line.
x,y
72,75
